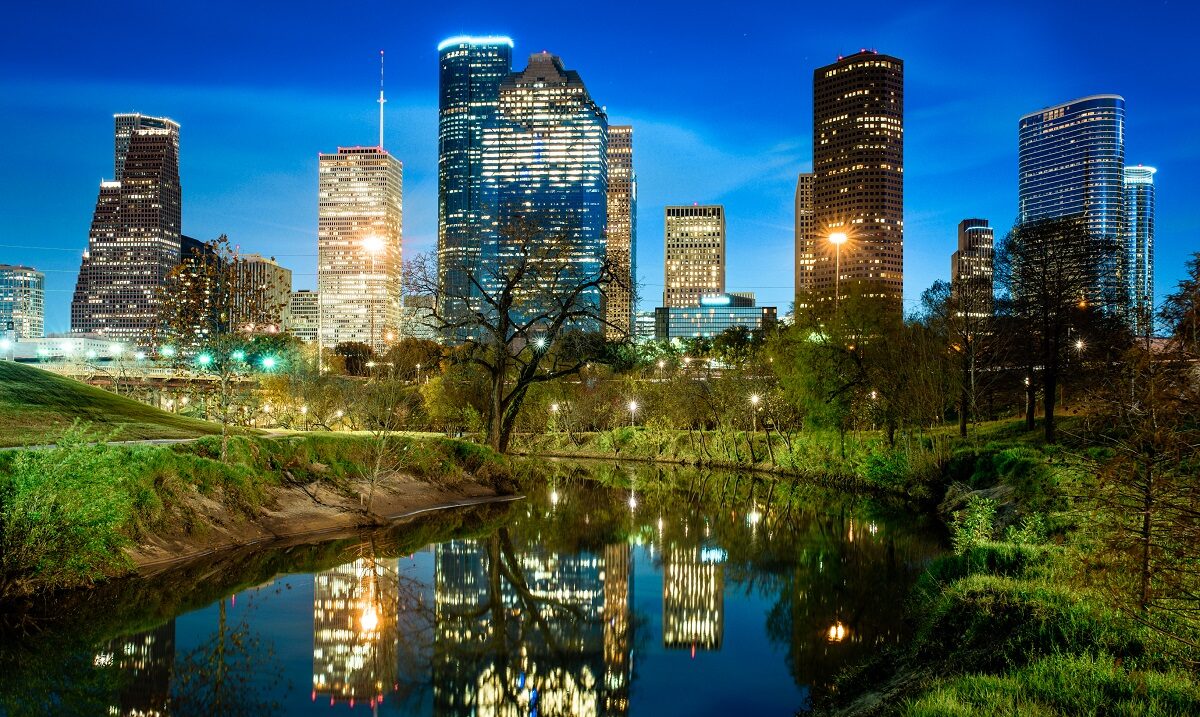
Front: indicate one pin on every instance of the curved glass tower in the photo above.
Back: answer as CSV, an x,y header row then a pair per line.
x,y
470,72
1139,244
1072,163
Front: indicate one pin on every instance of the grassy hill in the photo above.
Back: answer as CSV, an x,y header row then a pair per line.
x,y
36,404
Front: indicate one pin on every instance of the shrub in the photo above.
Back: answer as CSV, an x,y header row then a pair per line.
x,y
974,524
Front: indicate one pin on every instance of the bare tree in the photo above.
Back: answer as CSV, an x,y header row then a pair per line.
x,y
531,316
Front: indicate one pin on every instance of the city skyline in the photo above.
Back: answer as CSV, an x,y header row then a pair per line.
x,y
686,153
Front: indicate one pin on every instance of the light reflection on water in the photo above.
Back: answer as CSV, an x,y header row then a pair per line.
x,y
610,590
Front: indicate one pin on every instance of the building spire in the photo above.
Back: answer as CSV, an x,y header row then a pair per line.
x,y
381,99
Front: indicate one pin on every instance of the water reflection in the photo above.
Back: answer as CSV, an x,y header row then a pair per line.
x,y
610,590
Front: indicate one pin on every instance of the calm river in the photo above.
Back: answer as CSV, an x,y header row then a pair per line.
x,y
608,590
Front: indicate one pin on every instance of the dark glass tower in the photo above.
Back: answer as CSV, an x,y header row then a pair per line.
x,y
1072,164
135,235
470,72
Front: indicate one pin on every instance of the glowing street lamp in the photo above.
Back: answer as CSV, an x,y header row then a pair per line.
x,y
1079,345
755,399
837,239
238,355
633,407
204,360
268,362
167,351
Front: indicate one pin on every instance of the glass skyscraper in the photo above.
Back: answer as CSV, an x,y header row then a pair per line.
x,y
1138,245
22,302
545,160
1072,163
470,72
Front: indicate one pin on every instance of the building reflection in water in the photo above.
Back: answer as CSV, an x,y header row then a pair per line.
x,y
144,662
354,631
693,598
532,631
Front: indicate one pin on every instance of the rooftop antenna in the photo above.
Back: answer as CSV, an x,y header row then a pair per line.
x,y
381,99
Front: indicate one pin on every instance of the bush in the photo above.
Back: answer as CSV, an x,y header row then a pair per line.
x,y
974,524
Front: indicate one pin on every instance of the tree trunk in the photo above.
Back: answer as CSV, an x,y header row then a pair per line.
x,y
1146,534
1050,391
1030,404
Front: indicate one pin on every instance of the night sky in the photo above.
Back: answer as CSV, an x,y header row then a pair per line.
x,y
720,100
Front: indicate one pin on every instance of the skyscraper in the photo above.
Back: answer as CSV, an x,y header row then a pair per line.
x,y
546,162
265,288
303,315
622,233
470,72
971,266
359,218
134,239
805,235
1138,246
22,303
1072,164
858,184
694,254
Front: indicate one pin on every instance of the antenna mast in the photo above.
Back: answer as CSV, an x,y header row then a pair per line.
x,y
381,100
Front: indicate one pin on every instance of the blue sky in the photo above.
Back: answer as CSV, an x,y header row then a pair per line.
x,y
720,98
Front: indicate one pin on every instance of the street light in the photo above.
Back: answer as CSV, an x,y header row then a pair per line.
x,y
204,360
633,407
754,401
837,239
418,374
268,362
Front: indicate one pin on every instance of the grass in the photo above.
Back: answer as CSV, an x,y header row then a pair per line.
x,y
36,405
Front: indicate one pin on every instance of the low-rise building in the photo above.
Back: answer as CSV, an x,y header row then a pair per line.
x,y
715,314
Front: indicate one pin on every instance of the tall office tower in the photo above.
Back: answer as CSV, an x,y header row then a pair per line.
x,y
546,162
470,72
1072,164
144,663
1138,247
693,599
805,235
355,639
22,303
134,239
622,233
359,217
264,291
303,315
695,253
971,266
618,628
858,187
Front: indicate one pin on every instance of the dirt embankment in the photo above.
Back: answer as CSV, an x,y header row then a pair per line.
x,y
293,510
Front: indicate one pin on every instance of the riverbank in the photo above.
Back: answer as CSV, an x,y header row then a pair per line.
x,y
83,512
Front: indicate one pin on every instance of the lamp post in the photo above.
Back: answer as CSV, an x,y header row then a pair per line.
x,y
418,374
754,401
837,239
633,407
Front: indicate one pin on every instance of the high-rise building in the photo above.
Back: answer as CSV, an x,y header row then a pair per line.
x,y
359,219
694,254
470,72
621,295
546,162
971,266
354,630
144,663
303,315
264,291
134,240
858,183
22,303
1072,164
805,233
693,599
1138,246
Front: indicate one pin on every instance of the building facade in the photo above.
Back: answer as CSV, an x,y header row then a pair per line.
x,y
134,241
693,613
355,613
303,315
694,253
546,163
715,314
359,220
858,183
22,303
971,266
470,72
805,235
1072,164
621,295
1138,245
264,292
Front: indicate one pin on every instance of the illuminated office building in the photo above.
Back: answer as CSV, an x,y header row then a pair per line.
x,y
805,235
354,630
546,162
134,240
715,314
694,253
22,303
359,218
620,296
144,662
693,599
1138,245
1072,164
470,72
858,183
971,266
618,627
303,315
264,292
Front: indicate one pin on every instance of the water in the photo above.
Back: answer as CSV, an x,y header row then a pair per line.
x,y
609,590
